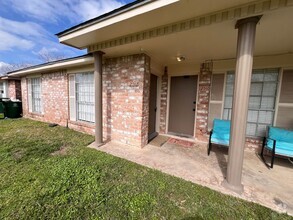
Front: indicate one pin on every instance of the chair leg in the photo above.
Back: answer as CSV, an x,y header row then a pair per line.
x,y
263,147
273,154
209,148
262,150
210,143
273,159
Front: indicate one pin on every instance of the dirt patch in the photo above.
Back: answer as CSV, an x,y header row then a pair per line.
x,y
17,155
62,151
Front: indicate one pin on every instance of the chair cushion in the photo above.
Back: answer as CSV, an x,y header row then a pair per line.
x,y
280,134
282,148
284,141
221,132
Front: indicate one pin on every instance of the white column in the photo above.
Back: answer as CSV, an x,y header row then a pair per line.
x,y
98,98
245,47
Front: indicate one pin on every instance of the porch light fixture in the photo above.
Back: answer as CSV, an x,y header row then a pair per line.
x,y
180,58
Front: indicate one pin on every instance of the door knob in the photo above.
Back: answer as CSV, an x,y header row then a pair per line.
x,y
194,102
194,109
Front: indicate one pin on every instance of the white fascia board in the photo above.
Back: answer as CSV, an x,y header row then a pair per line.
x,y
66,64
120,17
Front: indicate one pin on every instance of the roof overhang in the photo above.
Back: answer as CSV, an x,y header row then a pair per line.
x,y
6,77
158,17
122,16
52,66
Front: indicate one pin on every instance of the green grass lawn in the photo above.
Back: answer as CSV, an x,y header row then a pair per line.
x,y
82,183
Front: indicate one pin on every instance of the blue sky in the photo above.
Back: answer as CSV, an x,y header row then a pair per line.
x,y
28,27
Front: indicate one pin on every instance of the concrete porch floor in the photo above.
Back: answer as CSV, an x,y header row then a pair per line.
x,y
270,187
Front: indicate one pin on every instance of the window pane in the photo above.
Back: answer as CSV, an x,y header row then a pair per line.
x,y
230,78
269,89
252,116
271,75
254,102
229,89
261,130
36,94
266,117
268,103
257,77
85,96
251,129
226,114
228,102
256,89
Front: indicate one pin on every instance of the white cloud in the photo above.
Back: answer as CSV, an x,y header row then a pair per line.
x,y
22,28
90,8
52,11
19,35
29,33
10,41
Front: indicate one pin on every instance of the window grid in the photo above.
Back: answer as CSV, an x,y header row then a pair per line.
x,y
36,95
85,97
262,100
1,89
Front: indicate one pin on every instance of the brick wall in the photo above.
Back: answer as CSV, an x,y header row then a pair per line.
x,y
163,107
126,83
14,89
204,88
54,97
125,99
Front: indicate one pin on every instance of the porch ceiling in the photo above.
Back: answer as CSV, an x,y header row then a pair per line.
x,y
216,41
153,14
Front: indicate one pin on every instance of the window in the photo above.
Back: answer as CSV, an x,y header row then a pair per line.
x,y
84,87
3,89
36,95
261,107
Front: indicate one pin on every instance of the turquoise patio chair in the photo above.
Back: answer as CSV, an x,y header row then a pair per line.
x,y
279,142
220,134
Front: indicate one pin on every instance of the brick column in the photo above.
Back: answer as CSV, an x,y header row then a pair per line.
x,y
145,100
204,88
163,107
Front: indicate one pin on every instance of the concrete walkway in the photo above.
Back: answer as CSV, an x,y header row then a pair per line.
x,y
271,188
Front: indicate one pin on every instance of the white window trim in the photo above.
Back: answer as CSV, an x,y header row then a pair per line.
x,y
30,97
73,103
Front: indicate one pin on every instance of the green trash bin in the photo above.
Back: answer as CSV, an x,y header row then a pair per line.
x,y
13,109
2,110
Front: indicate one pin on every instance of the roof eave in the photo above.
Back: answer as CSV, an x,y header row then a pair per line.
x,y
46,67
103,17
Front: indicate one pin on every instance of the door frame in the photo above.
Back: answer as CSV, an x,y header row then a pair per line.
x,y
158,103
168,102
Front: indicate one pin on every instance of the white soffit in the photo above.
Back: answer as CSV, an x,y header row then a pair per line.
x,y
228,14
118,18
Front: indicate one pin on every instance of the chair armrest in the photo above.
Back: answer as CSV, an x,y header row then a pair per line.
x,y
274,142
270,139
